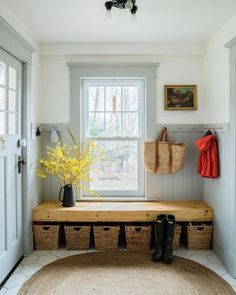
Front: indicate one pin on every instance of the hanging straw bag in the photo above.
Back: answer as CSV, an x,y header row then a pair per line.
x,y
163,155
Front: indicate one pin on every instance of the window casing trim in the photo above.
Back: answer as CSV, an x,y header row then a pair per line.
x,y
141,82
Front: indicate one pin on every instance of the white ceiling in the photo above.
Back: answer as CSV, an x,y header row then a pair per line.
x,y
156,20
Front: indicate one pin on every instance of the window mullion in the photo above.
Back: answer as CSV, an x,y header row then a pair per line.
x,y
122,111
105,109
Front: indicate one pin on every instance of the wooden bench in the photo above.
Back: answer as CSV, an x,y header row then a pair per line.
x,y
122,211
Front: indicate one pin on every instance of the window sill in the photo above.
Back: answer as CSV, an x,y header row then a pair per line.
x,y
115,199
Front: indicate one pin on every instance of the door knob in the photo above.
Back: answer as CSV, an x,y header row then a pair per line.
x,y
21,162
22,143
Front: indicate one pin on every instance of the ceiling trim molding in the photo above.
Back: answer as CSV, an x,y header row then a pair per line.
x,y
12,42
113,48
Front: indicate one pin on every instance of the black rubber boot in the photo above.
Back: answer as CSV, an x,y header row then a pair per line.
x,y
159,228
170,229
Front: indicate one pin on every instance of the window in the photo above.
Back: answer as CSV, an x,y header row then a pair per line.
x,y
8,100
113,117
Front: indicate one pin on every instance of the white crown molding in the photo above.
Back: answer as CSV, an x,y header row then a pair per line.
x,y
100,48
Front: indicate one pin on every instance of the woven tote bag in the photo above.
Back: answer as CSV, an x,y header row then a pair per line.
x,y
163,155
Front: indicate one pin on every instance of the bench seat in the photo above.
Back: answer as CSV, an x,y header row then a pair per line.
x,y
99,211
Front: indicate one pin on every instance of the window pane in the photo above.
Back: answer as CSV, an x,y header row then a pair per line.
x,y
11,123
12,78
96,124
119,172
113,99
2,99
113,124
131,124
2,73
131,98
2,123
12,101
96,98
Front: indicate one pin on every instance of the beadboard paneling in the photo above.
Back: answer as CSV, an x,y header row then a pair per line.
x,y
183,185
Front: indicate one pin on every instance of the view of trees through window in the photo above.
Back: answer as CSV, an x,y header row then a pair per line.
x,y
113,122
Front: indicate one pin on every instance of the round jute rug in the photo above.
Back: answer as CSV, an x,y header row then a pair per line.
x,y
124,273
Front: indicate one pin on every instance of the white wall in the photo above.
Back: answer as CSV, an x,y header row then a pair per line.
x,y
217,73
17,24
55,95
220,105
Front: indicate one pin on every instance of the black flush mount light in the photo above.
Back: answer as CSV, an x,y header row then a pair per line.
x,y
122,4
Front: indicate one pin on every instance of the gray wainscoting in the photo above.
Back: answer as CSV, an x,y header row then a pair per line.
x,y
183,185
218,194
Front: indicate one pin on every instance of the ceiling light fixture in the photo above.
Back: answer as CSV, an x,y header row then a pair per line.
x,y
122,4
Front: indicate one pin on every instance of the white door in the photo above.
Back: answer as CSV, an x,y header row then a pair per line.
x,y
11,244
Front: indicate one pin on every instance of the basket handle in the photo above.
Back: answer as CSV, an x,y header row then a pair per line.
x,y
138,229
106,228
163,133
200,228
160,135
77,228
46,227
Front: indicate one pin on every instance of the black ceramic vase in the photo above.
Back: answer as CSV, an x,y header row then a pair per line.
x,y
69,199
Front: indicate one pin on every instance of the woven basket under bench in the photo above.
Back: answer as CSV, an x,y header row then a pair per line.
x,y
138,238
46,237
77,237
106,237
198,236
176,239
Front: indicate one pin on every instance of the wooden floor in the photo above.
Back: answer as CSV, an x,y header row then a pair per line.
x,y
122,211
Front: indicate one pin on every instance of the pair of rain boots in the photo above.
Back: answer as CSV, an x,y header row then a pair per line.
x,y
164,234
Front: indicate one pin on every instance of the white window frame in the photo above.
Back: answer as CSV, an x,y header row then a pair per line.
x,y
141,82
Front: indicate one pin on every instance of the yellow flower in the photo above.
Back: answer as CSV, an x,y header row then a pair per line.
x,y
70,164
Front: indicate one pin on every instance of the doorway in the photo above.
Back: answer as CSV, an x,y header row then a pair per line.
x,y
11,232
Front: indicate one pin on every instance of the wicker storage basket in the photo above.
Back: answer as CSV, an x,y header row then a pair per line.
x,y
106,237
46,237
164,156
77,237
138,238
199,236
176,239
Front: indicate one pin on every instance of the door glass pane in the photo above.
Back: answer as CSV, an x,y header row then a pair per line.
x,y
2,73
12,101
12,78
2,99
2,123
119,171
12,123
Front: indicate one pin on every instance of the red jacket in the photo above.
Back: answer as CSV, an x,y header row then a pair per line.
x,y
208,165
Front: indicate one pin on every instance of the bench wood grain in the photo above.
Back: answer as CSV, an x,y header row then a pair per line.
x,y
122,211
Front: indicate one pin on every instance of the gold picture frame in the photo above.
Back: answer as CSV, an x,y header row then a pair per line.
x,y
180,97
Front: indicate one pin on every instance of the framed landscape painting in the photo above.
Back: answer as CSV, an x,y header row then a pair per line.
x,y
180,97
